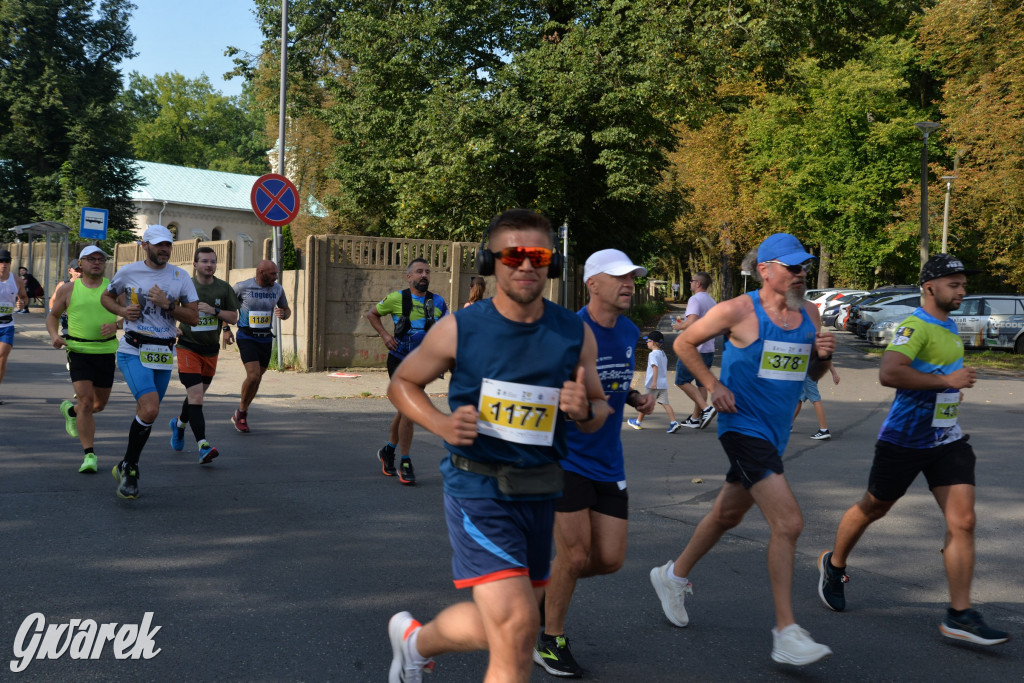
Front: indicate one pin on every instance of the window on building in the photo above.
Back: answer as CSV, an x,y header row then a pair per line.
x,y
216,234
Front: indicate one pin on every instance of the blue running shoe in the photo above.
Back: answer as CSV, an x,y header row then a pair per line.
x,y
206,452
177,435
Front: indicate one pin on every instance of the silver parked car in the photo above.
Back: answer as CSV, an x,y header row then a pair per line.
x,y
979,312
882,332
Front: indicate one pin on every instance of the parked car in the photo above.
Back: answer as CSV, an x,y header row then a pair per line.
x,y
823,297
835,311
1006,334
978,312
881,333
873,297
891,306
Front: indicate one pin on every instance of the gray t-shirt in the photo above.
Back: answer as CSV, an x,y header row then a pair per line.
x,y
699,304
134,281
256,308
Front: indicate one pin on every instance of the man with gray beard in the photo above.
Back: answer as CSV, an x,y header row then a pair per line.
x,y
773,335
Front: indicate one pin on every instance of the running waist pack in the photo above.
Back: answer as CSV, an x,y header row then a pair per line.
x,y
544,480
138,340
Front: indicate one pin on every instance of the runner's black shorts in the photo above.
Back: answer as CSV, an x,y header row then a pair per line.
x,y
97,368
393,363
751,459
896,467
253,351
581,493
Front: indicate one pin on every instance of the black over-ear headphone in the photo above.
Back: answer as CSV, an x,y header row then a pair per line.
x,y
485,257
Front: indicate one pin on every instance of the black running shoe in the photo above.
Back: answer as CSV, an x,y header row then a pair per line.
x,y
552,653
127,480
387,461
830,583
971,627
405,472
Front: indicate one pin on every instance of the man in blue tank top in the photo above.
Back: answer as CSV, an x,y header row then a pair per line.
x,y
590,517
522,368
921,434
773,334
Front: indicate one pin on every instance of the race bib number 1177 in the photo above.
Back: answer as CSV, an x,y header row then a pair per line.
x,y
520,413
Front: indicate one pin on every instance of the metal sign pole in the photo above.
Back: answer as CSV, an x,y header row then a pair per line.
x,y
281,161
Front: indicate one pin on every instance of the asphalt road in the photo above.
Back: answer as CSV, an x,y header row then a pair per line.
x,y
284,559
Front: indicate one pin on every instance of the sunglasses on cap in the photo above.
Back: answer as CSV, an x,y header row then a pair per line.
x,y
795,270
513,257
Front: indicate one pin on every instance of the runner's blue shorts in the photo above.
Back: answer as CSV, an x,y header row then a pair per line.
x,y
142,380
7,335
498,539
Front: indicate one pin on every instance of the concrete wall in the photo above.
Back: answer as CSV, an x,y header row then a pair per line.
x,y
344,276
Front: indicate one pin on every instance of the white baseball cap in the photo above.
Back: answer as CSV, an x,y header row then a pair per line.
x,y
611,261
92,249
157,234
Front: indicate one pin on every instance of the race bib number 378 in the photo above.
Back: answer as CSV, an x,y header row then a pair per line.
x,y
784,360
520,413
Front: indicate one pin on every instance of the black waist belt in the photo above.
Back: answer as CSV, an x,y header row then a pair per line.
x,y
138,340
543,480
91,341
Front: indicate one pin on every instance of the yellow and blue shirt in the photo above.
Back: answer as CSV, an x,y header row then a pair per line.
x,y
925,418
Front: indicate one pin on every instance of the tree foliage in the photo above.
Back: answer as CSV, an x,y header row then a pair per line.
x,y
978,47
185,122
62,142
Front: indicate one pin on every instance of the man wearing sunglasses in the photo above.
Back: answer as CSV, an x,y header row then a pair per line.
x,y
773,335
413,317
12,291
522,368
91,344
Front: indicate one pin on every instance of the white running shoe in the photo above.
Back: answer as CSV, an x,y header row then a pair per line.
x,y
403,670
672,594
707,415
793,645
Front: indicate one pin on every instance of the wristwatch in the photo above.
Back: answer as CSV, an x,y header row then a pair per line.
x,y
171,306
216,310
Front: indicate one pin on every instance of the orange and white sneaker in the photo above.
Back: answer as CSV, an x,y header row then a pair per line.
x,y
407,666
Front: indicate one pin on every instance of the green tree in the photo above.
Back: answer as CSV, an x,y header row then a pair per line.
x,y
185,122
978,49
62,138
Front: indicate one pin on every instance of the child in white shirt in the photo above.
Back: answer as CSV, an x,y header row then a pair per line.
x,y
656,381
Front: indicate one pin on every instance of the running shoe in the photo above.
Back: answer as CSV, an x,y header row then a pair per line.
x,y
707,415
387,461
552,653
127,479
405,472
403,666
672,594
830,583
673,427
821,435
634,423
691,423
177,434
69,422
206,452
88,464
971,627
794,645
239,420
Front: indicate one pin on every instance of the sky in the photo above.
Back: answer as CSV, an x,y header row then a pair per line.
x,y
190,36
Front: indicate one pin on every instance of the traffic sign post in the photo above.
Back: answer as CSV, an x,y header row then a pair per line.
x,y
275,199
93,225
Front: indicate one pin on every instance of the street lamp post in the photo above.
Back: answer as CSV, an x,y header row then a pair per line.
x,y
945,212
926,128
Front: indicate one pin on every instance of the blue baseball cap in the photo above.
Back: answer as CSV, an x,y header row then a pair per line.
x,y
784,248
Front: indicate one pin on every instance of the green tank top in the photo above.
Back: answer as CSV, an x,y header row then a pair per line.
x,y
85,316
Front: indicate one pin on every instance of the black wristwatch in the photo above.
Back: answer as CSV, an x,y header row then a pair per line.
x,y
590,413
170,307
216,310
